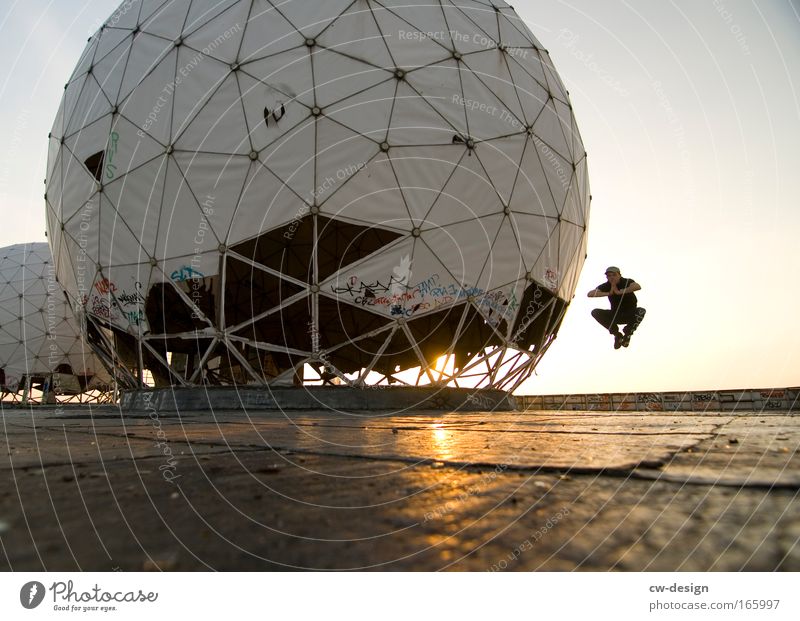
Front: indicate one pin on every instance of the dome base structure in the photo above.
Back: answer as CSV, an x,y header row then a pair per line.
x,y
56,389
395,399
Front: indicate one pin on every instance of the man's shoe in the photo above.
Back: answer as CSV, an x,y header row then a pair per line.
x,y
618,340
626,340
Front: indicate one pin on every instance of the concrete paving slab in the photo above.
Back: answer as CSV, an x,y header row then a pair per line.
x,y
429,491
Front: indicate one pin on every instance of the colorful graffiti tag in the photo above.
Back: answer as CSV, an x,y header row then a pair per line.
x,y
401,299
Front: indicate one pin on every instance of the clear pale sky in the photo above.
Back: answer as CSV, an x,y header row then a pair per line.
x,y
690,113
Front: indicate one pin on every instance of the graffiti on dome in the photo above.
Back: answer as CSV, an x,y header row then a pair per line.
x,y
401,299
116,305
391,294
185,272
355,287
105,286
551,278
104,307
131,299
498,306
134,317
111,151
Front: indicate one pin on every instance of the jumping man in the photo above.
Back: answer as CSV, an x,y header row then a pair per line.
x,y
620,292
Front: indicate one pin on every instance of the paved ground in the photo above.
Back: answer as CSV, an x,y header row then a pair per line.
x,y
422,491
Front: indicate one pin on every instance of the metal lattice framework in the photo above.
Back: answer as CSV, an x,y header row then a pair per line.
x,y
348,191
42,353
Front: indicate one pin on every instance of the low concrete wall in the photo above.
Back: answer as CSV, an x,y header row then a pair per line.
x,y
386,398
747,400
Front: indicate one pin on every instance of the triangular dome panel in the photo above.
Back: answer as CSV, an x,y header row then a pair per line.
x,y
216,182
266,201
168,20
408,46
355,34
149,106
311,18
110,70
217,38
415,121
220,125
501,160
291,159
468,195
422,174
463,248
367,112
267,32
337,76
370,196
208,74
532,192
145,55
341,154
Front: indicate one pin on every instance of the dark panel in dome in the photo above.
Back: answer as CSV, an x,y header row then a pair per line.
x,y
289,327
540,315
288,249
340,323
343,243
94,163
167,313
250,292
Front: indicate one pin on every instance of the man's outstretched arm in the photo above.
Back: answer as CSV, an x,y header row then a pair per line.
x,y
597,293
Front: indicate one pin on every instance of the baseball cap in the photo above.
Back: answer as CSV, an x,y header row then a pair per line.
x,y
613,269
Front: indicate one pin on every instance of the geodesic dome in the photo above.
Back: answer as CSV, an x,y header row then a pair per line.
x,y
276,192
39,335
